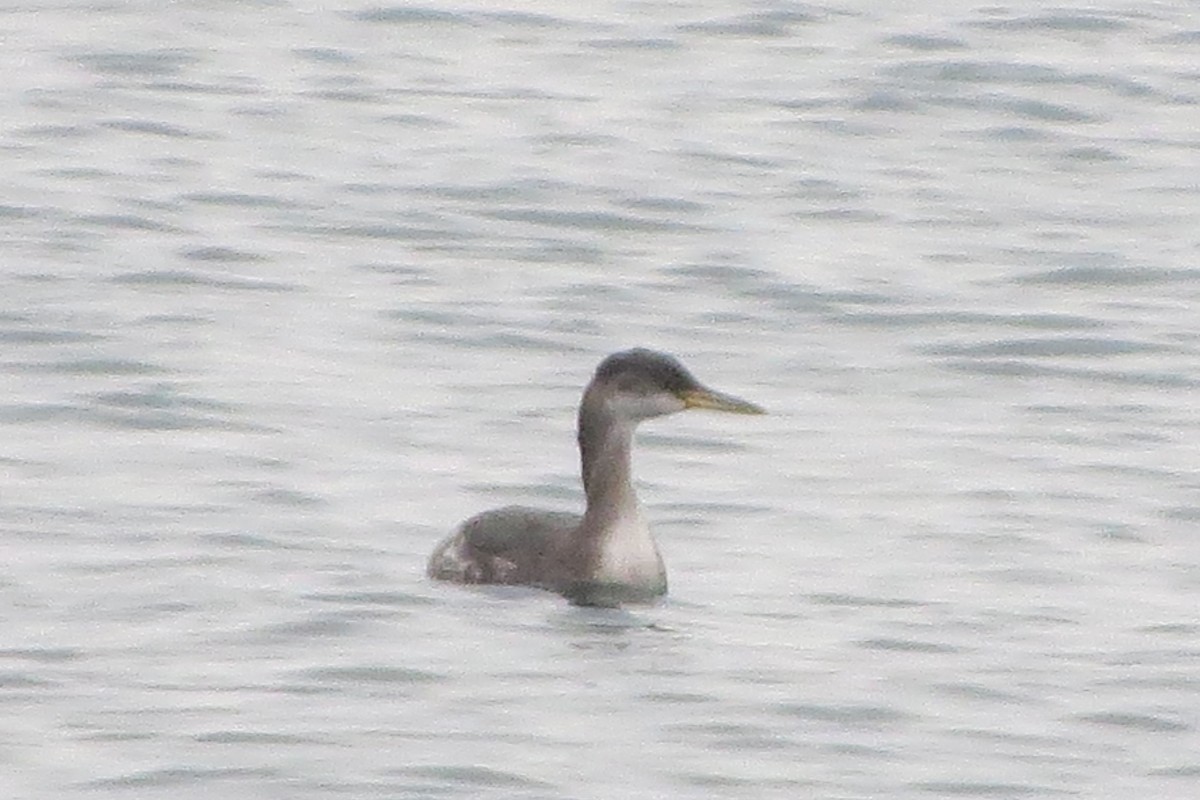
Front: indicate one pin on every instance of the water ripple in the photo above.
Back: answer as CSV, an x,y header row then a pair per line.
x,y
1016,73
985,789
154,128
181,777
1021,369
907,646
477,777
971,319
846,716
1145,723
1048,348
587,220
1105,277
412,15
138,63
368,675
96,366
182,278
1058,22
763,24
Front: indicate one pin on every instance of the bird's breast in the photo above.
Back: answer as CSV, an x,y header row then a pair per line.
x,y
628,554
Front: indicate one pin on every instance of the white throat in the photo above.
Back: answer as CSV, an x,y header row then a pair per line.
x,y
628,554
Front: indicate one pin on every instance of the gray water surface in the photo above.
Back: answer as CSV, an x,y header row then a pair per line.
x,y
289,289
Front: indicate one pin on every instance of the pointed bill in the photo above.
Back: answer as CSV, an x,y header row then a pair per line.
x,y
718,401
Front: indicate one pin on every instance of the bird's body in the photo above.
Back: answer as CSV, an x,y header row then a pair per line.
x,y
512,545
607,556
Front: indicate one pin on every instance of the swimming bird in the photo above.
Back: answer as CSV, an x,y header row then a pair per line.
x,y
607,556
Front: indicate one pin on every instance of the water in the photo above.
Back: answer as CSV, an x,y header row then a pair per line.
x,y
289,290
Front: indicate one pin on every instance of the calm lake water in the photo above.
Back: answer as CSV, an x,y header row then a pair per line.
x,y
288,289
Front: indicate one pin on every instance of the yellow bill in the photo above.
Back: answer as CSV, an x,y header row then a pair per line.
x,y
718,401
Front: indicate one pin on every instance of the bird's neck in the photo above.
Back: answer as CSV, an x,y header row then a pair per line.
x,y
617,553
605,451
